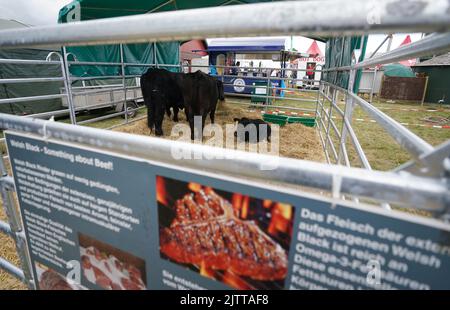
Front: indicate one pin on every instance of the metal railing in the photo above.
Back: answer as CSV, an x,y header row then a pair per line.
x,y
70,91
421,183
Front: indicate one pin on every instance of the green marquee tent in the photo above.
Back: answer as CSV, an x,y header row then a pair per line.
x,y
338,53
95,9
398,70
168,52
14,90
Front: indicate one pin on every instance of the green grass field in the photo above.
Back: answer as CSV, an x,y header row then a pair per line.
x,y
381,150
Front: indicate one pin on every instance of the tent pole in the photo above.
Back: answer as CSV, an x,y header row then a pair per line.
x,y
68,86
122,65
388,37
154,55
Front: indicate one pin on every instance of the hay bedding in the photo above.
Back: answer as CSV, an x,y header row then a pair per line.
x,y
8,251
296,141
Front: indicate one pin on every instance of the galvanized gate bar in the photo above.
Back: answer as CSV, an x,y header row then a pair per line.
x,y
432,44
404,189
16,230
28,62
341,17
31,80
32,98
12,269
5,228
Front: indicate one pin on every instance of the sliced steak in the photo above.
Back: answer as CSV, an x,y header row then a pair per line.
x,y
50,280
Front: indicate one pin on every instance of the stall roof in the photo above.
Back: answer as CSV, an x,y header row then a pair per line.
x,y
247,45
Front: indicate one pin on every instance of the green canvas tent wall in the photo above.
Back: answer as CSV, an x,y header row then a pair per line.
x,y
166,53
14,90
338,53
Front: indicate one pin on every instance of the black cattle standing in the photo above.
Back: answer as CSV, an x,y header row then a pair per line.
x,y
161,90
201,93
261,130
197,93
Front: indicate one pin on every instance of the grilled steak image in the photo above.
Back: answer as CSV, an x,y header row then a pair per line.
x,y
206,230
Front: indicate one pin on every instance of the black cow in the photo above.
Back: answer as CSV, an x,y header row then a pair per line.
x,y
161,90
197,93
245,126
201,93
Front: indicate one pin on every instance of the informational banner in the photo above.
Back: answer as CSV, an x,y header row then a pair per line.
x,y
97,220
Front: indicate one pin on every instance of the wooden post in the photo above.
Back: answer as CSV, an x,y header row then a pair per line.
x,y
424,90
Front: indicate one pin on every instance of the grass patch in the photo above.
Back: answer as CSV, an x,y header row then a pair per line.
x,y
382,151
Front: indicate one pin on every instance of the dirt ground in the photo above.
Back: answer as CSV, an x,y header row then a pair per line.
x,y
295,140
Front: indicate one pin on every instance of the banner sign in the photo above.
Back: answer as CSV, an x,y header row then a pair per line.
x,y
98,220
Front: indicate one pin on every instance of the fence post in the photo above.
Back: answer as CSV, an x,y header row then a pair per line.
x,y
322,110
373,84
267,93
68,86
154,55
122,65
317,101
348,112
424,91
16,228
330,113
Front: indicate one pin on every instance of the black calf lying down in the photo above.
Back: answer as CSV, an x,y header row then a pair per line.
x,y
252,130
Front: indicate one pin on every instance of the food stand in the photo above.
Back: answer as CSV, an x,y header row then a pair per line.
x,y
225,53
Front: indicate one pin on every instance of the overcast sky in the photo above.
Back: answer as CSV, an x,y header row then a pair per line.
x,y
32,12
43,12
